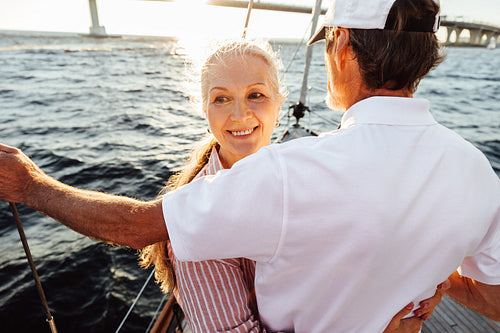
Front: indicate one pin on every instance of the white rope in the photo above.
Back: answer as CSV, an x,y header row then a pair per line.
x,y
135,301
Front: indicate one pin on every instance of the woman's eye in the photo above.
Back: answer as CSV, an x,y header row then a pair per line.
x,y
220,100
256,96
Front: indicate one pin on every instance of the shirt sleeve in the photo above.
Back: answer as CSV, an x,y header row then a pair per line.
x,y
484,266
236,213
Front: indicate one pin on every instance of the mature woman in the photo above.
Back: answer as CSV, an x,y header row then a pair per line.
x,y
241,97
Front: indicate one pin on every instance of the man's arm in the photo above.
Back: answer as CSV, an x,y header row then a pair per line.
x,y
483,298
103,216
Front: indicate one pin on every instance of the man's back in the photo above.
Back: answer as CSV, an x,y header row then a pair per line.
x,y
391,206
351,227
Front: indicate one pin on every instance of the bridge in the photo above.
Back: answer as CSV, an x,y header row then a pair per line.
x,y
479,33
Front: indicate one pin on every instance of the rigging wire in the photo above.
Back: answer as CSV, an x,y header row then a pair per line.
x,y
249,10
299,45
20,229
135,301
292,59
317,114
151,323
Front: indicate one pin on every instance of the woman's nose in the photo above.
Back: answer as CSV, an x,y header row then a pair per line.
x,y
241,112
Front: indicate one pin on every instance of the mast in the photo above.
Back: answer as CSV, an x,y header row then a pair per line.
x,y
300,107
309,49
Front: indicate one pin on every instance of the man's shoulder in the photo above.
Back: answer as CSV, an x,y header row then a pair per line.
x,y
454,140
308,142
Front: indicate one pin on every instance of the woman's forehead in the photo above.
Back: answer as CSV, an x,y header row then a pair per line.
x,y
233,59
246,71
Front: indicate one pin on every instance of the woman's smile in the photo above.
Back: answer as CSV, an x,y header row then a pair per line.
x,y
241,133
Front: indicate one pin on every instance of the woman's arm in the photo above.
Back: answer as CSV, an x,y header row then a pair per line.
x,y
103,216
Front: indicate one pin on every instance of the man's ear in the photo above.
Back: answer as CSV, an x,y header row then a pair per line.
x,y
341,47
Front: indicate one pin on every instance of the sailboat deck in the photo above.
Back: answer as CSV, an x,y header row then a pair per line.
x,y
449,316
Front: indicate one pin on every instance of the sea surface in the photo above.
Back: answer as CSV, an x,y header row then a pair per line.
x,y
115,115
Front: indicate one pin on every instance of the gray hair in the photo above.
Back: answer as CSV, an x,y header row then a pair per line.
x,y
220,51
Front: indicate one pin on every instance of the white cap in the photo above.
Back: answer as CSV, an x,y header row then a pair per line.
x,y
360,14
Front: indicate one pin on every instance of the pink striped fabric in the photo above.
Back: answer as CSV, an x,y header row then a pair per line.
x,y
217,295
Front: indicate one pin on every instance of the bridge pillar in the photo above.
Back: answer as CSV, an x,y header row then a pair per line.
x,y
449,31
494,39
458,32
475,36
489,37
95,29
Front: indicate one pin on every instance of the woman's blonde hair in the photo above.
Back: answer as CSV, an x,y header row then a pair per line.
x,y
156,254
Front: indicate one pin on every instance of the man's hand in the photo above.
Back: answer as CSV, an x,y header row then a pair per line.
x,y
18,174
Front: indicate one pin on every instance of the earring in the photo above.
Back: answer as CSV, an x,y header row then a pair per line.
x,y
209,130
277,124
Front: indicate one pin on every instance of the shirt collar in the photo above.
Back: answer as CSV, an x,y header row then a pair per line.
x,y
385,110
213,165
214,162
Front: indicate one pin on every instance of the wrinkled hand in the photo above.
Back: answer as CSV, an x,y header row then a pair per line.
x,y
427,305
400,325
414,324
18,174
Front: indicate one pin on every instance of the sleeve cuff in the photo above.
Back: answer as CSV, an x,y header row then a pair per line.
x,y
174,234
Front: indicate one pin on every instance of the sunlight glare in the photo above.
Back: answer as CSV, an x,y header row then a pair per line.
x,y
202,24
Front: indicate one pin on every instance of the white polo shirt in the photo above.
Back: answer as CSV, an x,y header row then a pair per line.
x,y
349,227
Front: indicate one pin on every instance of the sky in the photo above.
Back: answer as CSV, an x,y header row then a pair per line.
x,y
186,17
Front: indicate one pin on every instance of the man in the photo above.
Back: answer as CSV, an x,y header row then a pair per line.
x,y
347,228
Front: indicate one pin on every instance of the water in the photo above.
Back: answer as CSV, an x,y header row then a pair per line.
x,y
113,115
